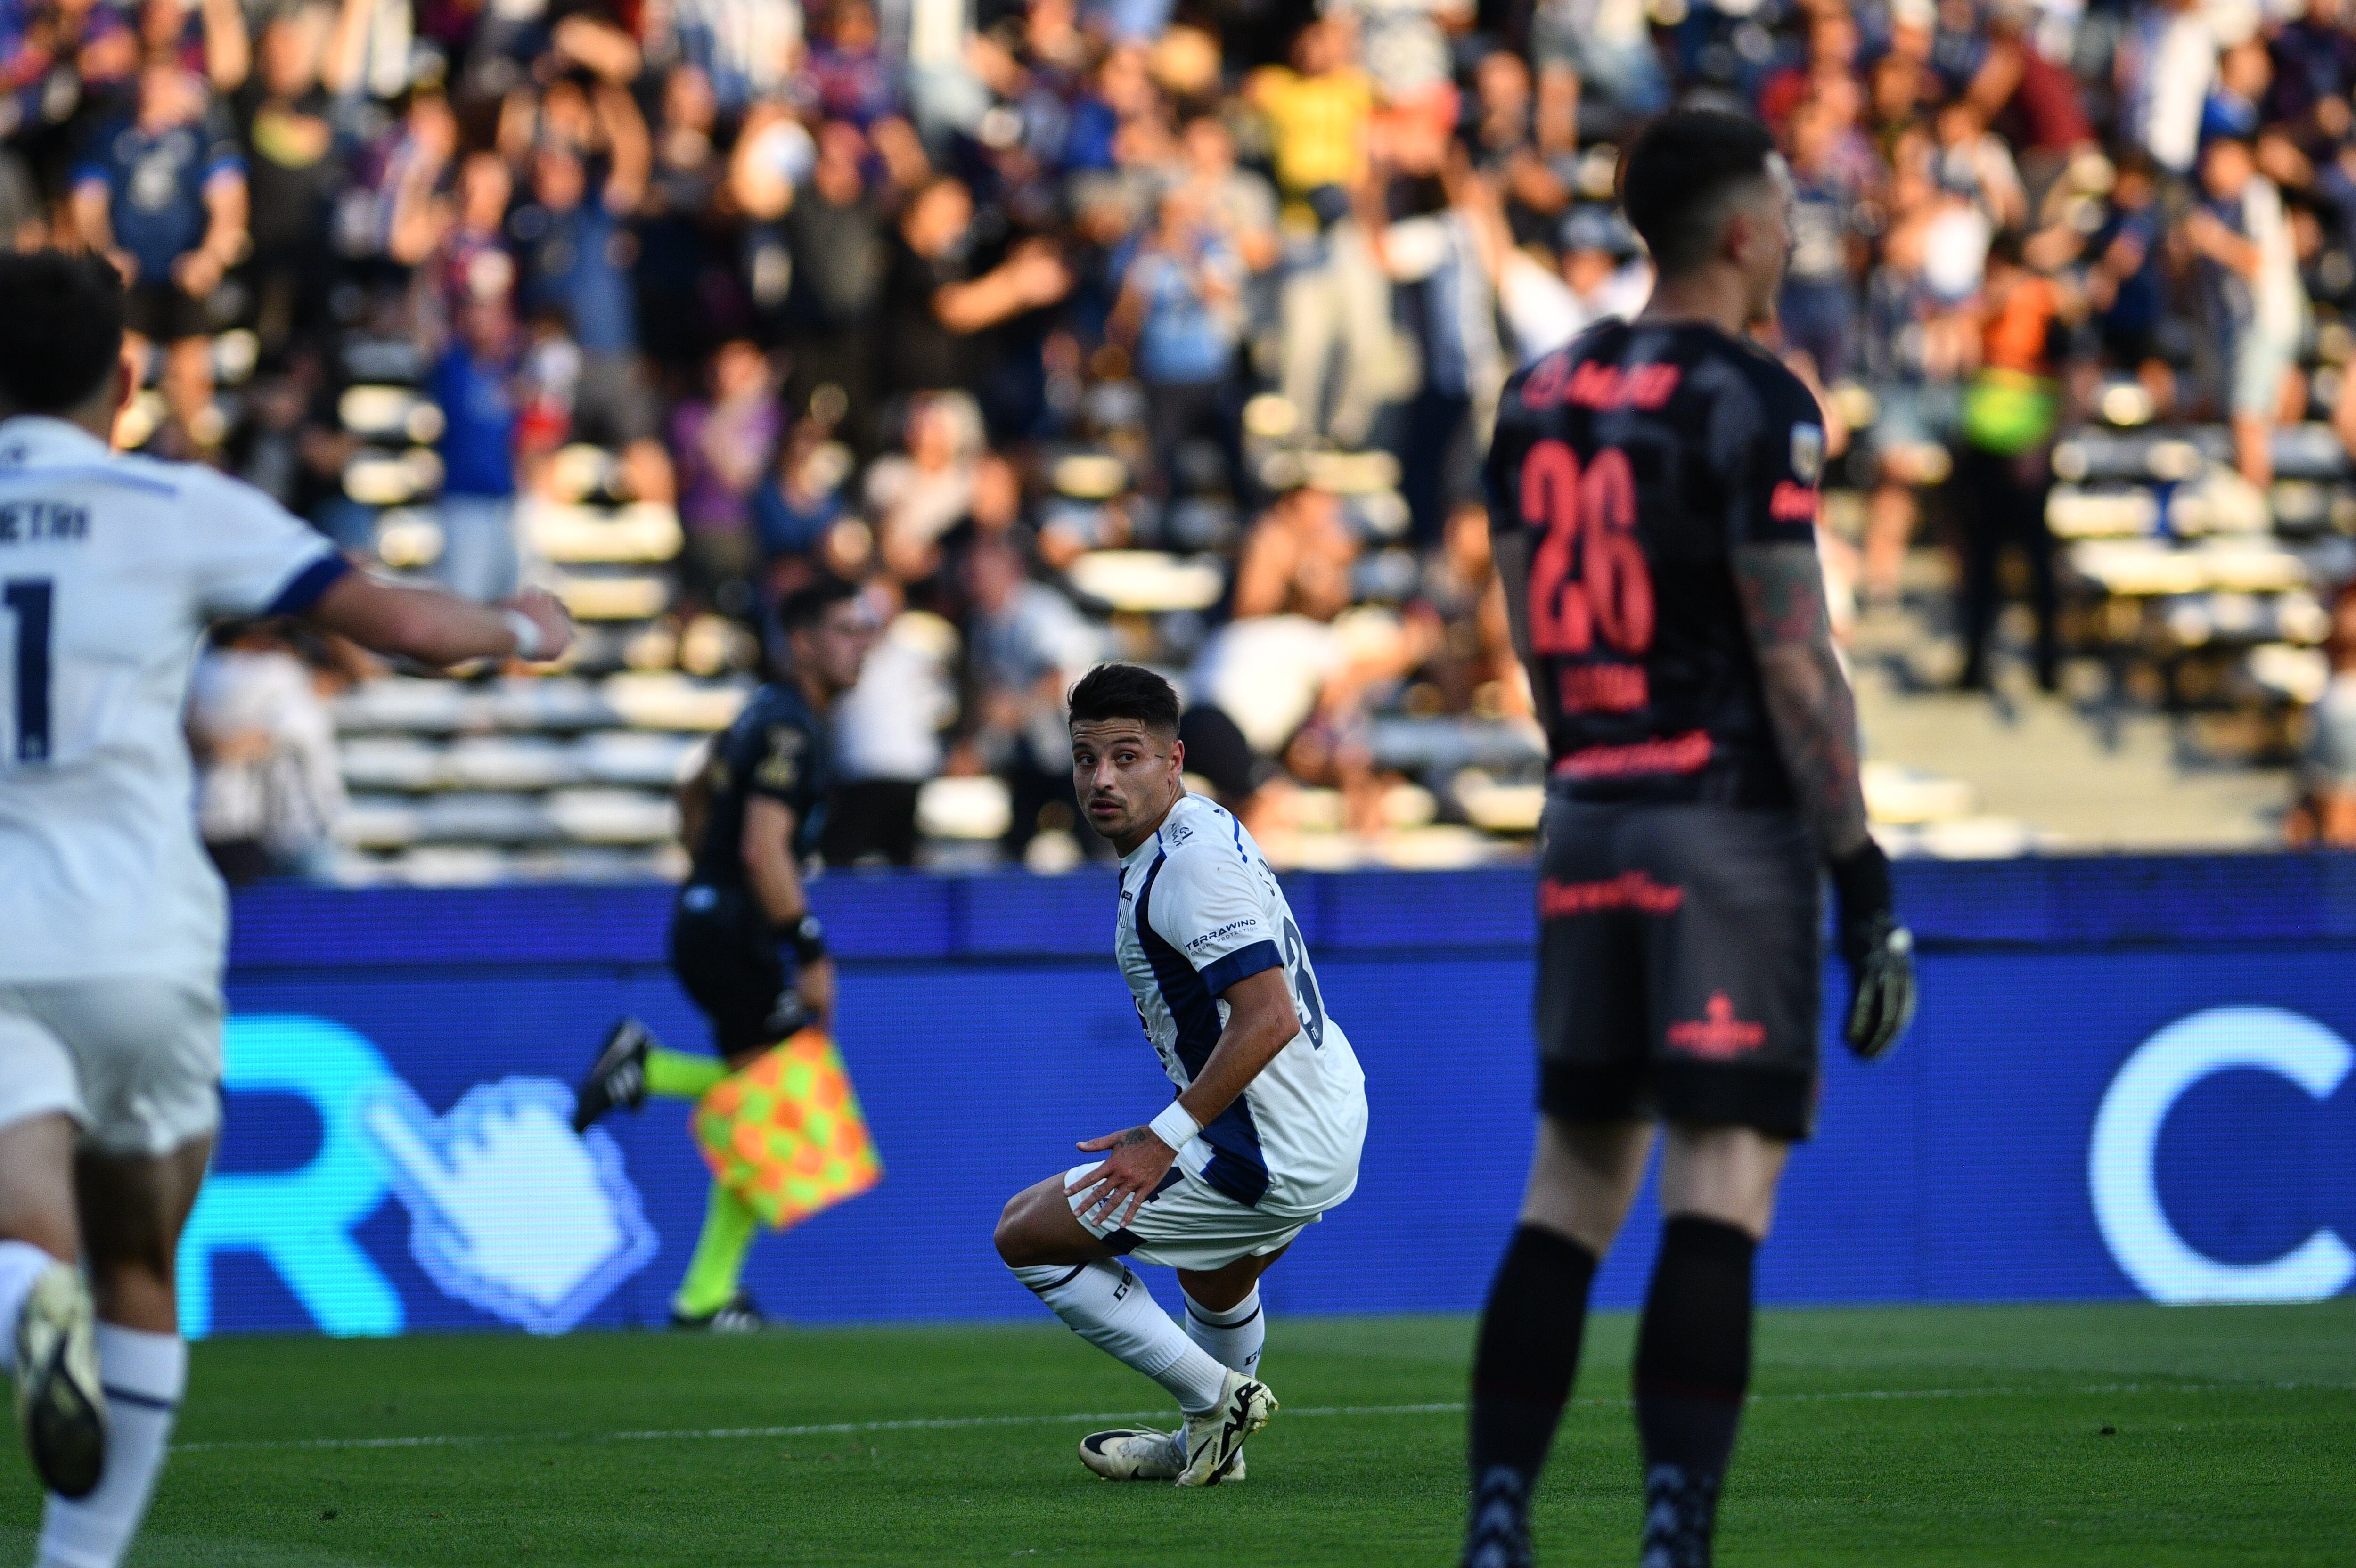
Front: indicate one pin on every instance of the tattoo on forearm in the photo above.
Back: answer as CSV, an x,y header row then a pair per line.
x,y
1808,698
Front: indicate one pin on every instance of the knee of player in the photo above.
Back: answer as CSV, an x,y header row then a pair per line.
x,y
1014,1248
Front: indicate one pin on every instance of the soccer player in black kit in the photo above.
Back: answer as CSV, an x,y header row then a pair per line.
x,y
1653,490
743,943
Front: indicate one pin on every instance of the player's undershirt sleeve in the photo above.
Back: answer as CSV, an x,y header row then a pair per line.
x,y
1207,905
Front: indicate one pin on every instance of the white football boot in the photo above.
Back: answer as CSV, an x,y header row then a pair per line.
x,y
1141,1453
60,1405
1215,1439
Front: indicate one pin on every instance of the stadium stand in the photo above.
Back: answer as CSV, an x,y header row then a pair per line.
x,y
1171,333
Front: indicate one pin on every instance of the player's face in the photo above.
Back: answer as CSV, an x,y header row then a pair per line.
x,y
1125,775
838,644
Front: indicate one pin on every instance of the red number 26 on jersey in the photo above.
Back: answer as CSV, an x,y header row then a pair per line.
x,y
1587,523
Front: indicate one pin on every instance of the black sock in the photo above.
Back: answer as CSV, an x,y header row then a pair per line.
x,y
1522,1371
1692,1364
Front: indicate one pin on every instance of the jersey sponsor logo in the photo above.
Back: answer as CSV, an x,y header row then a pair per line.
x,y
1791,503
1210,938
1603,688
1686,753
1808,451
1629,890
36,522
1600,386
1178,833
1717,1034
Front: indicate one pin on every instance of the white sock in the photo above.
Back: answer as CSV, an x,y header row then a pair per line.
x,y
21,1263
1232,1337
1109,1307
145,1374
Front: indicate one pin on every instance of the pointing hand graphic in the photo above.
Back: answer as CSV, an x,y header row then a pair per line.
x,y
510,1209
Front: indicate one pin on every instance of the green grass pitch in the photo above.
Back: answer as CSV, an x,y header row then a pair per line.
x,y
1957,1436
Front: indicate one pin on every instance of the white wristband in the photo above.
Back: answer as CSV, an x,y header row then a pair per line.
x,y
528,642
1175,1127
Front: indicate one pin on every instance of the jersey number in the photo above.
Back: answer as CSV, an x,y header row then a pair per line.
x,y
1586,523
1304,984
29,599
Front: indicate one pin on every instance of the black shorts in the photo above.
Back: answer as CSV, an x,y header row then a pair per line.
x,y
164,311
725,956
1680,966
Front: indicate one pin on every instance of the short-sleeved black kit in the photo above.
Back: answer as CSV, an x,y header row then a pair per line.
x,y
723,947
1680,953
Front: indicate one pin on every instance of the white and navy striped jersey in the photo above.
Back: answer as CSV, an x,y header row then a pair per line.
x,y
1199,910
110,569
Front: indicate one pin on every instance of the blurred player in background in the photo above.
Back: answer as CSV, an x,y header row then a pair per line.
x,y
109,981
745,945
1263,1136
1653,489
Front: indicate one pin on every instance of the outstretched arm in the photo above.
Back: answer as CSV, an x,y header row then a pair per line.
x,y
436,628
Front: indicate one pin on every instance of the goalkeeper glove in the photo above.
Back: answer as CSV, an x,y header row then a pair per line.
x,y
1880,952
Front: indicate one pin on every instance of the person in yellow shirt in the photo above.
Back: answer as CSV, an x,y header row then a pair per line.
x,y
1317,109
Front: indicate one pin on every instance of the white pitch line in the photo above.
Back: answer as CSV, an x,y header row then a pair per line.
x,y
957,1423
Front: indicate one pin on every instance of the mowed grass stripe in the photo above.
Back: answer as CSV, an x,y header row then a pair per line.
x,y
957,1423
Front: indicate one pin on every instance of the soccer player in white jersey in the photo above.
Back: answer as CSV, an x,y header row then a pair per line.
x,y
1263,1136
109,980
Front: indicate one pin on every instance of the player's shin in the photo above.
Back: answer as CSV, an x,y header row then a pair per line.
x,y
1232,1337
1523,1365
1693,1367
145,1375
718,1263
1109,1306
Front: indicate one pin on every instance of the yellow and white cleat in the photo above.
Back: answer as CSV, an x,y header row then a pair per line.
x,y
1215,1439
1141,1453
60,1406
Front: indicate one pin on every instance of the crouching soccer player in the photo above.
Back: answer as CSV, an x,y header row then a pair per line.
x,y
1652,488
1263,1136
743,943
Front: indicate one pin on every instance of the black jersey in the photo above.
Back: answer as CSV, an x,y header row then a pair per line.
x,y
1637,457
778,748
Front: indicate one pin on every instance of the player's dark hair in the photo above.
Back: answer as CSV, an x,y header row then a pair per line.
x,y
61,334
806,606
1677,177
1126,691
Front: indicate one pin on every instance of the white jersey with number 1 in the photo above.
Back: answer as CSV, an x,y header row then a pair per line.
x,y
110,569
1199,910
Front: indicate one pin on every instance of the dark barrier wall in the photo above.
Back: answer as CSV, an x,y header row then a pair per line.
x,y
2130,1076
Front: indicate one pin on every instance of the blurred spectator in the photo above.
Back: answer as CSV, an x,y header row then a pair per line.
x,y
1182,305
268,793
1026,646
934,306
472,383
888,731
916,496
162,195
723,444
2324,809
2253,302
2006,474
836,234
576,256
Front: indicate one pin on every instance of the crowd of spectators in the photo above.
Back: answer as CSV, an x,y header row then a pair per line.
x,y
949,296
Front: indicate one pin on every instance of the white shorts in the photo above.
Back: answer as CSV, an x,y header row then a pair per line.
x,y
135,1059
1189,1225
